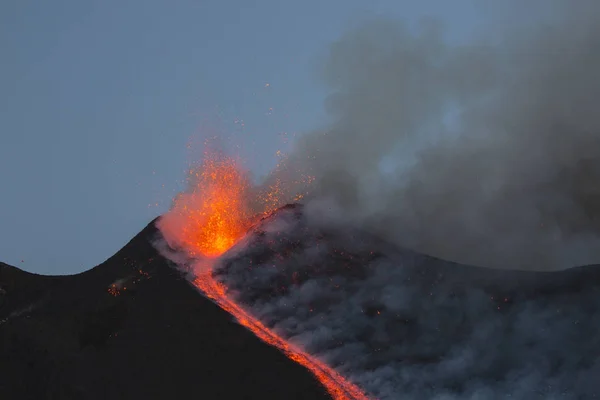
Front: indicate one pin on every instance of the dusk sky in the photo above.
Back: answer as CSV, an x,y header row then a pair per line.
x,y
100,100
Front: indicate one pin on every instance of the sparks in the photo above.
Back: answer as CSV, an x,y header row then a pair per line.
x,y
214,215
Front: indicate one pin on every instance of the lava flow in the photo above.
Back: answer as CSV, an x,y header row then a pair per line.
x,y
207,221
338,387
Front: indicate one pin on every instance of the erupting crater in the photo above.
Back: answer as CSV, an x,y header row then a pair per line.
x,y
209,219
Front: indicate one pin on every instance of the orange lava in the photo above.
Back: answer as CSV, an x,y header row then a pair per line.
x,y
214,215
338,387
207,221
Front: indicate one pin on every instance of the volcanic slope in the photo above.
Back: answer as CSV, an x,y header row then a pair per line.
x,y
403,325
132,328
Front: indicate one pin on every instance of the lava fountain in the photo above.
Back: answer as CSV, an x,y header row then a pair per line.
x,y
213,214
206,221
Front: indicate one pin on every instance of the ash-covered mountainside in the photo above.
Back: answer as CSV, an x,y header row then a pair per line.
x,y
132,328
405,325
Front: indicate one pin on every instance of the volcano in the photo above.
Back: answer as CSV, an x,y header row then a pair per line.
x,y
132,327
394,322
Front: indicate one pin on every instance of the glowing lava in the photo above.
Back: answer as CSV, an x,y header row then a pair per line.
x,y
214,214
207,221
338,387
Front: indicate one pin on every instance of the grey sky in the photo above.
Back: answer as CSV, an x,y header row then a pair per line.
x,y
99,100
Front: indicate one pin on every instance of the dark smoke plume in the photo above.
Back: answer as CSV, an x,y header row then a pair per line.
x,y
512,182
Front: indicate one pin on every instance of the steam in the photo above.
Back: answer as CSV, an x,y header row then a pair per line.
x,y
403,325
510,182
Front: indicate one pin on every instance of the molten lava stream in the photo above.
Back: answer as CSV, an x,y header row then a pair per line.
x,y
338,387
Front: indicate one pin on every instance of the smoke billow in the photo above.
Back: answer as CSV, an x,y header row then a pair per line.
x,y
486,153
404,325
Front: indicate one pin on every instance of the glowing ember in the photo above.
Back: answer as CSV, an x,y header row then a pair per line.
x,y
208,220
114,290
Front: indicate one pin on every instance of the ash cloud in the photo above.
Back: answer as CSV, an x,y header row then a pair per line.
x,y
404,325
512,182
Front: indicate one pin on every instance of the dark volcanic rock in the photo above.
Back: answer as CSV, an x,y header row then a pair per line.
x,y
67,337
405,325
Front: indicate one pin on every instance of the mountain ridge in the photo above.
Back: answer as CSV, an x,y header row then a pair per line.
x,y
134,326
155,336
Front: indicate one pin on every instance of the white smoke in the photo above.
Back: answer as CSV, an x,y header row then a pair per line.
x,y
511,182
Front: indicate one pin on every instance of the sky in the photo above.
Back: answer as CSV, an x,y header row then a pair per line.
x,y
100,101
